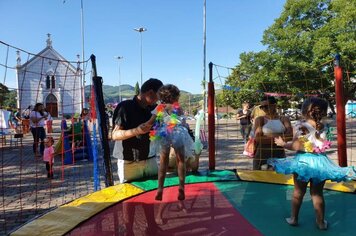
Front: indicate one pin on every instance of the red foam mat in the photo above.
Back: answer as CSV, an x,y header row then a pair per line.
x,y
204,212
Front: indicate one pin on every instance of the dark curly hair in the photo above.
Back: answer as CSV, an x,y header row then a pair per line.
x,y
36,108
168,93
315,108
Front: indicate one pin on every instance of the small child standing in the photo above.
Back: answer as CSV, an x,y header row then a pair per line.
x,y
310,164
169,131
48,155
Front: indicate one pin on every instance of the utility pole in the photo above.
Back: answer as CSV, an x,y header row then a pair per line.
x,y
83,56
204,63
120,95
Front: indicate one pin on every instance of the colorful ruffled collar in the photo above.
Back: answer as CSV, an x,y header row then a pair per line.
x,y
157,132
310,147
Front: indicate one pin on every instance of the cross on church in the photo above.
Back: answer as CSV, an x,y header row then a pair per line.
x,y
49,41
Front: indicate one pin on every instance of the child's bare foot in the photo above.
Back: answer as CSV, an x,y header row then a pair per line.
x,y
181,207
323,225
181,194
159,195
159,221
292,221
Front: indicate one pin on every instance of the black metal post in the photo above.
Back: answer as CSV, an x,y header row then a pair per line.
x,y
100,106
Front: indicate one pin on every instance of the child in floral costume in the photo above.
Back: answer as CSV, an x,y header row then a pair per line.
x,y
310,164
170,130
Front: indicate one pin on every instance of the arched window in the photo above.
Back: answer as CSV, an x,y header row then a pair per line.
x,y
53,82
48,82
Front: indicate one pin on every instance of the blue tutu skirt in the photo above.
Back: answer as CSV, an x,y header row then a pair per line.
x,y
315,167
177,138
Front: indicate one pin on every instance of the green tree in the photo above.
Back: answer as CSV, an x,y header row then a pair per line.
x,y
184,101
246,80
7,97
301,45
189,102
4,91
137,88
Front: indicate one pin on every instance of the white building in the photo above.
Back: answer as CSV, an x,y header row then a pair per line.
x,y
50,79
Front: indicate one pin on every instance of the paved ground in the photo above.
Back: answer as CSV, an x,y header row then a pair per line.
x,y
26,192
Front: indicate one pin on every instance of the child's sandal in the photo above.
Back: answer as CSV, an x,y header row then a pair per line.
x,y
292,221
323,226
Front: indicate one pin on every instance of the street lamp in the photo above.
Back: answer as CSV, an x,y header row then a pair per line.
x,y
82,75
120,97
140,30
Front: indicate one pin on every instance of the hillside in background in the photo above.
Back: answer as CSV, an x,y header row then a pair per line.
x,y
189,102
111,93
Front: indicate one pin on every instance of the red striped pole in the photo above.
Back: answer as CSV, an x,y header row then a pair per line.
x,y
211,119
340,113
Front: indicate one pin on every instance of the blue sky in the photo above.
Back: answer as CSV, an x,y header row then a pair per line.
x,y
172,45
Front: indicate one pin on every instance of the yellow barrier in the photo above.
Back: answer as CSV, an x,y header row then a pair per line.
x,y
272,177
66,217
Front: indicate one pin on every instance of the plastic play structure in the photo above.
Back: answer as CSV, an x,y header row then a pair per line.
x,y
70,152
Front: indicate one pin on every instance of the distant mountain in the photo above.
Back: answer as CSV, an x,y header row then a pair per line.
x,y
111,93
188,101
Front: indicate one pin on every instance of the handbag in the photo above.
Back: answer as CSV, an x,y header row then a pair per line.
x,y
250,147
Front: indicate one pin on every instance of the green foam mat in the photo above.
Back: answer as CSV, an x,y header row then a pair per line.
x,y
267,205
200,177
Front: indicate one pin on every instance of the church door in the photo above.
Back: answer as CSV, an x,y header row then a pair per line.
x,y
52,105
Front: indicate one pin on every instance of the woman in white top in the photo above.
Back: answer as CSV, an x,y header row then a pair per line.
x,y
37,123
268,127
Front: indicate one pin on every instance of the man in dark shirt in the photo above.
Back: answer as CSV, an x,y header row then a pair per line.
x,y
132,144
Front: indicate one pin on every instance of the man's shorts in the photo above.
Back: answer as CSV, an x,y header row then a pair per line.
x,y
134,170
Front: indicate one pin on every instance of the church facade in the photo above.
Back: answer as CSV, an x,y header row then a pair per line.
x,y
50,79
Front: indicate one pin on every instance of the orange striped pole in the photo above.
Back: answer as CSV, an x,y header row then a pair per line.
x,y
340,113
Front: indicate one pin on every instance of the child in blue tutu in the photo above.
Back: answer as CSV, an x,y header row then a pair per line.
x,y
310,164
170,130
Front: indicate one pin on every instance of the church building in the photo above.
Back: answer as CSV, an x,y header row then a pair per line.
x,y
50,79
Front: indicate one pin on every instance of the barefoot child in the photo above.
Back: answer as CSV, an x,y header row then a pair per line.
x,y
48,156
169,131
310,164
